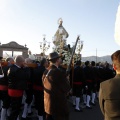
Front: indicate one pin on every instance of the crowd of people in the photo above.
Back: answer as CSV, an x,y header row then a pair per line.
x,y
86,82
47,86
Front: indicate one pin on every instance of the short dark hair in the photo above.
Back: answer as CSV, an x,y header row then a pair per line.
x,y
43,61
93,63
116,56
9,59
78,62
97,64
87,63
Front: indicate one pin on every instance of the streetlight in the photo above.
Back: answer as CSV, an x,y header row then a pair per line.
x,y
44,46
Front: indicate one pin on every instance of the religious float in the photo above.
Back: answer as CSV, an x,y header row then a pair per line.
x,y
64,49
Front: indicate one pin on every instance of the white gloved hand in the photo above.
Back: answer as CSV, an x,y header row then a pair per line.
x,y
1,76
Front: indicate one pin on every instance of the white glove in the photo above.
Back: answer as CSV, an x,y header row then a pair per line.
x,y
1,76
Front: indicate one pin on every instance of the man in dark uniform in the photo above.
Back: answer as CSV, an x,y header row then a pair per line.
x,y
17,83
109,73
56,88
94,77
78,82
4,87
38,87
88,84
29,91
109,96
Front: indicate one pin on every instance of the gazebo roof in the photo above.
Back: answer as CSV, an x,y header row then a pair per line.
x,y
13,44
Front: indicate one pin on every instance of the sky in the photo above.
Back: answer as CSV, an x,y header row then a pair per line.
x,y
25,21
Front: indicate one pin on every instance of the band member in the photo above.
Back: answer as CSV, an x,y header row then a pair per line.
x,y
4,88
98,79
56,88
38,87
88,84
29,91
17,83
94,77
78,82
109,73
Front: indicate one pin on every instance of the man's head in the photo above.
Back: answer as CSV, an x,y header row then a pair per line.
x,y
28,60
44,62
10,60
93,63
87,63
54,58
78,63
20,60
116,60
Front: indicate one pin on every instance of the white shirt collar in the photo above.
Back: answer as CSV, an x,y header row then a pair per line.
x,y
17,66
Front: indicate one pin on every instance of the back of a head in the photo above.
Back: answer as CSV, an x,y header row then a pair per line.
x,y
93,63
116,59
87,63
28,60
9,59
78,63
43,61
97,64
19,59
116,56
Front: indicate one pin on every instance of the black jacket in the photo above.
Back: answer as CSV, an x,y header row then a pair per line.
x,y
88,73
37,75
78,75
4,80
17,78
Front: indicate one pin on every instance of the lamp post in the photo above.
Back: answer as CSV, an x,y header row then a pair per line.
x,y
44,46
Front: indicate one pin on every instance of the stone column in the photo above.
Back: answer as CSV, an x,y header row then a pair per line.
x,y
12,53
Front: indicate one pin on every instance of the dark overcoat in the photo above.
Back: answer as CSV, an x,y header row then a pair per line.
x,y
56,87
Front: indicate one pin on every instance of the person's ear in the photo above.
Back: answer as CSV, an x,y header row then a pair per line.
x,y
114,67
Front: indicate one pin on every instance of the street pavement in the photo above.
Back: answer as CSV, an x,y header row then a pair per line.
x,y
87,114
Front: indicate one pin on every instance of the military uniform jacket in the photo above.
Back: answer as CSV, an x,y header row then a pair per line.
x,y
17,78
78,76
37,78
56,87
94,74
37,75
109,98
88,74
4,80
